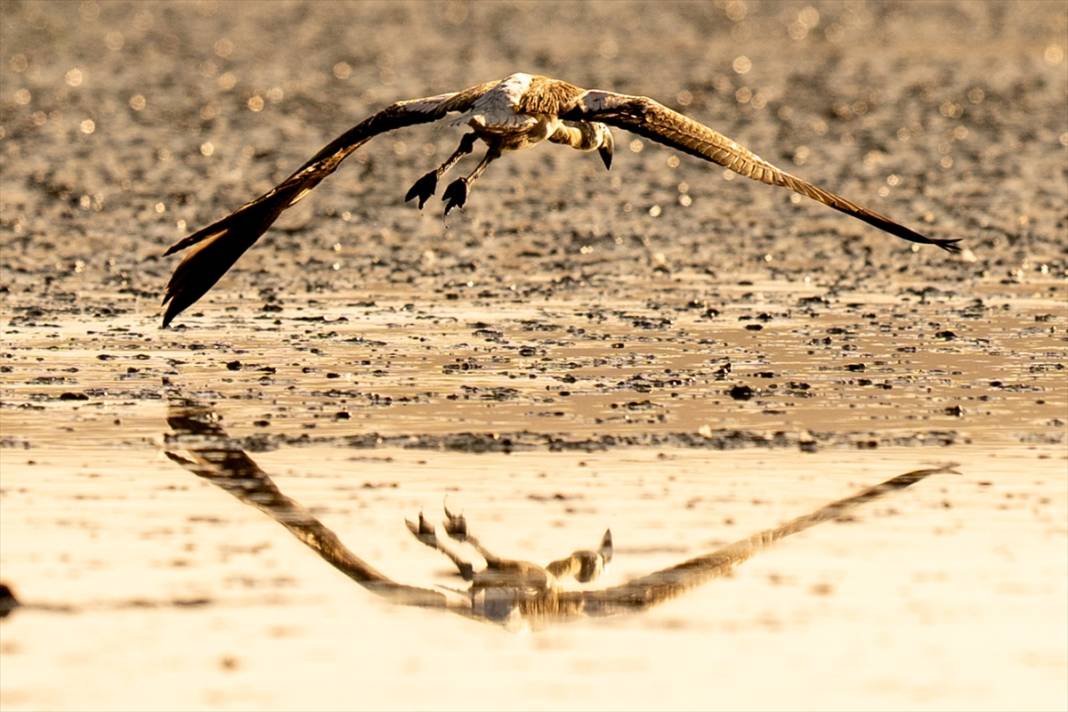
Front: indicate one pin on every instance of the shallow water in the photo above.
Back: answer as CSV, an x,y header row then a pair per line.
x,y
104,533
162,573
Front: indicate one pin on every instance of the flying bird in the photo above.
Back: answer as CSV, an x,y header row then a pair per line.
x,y
516,112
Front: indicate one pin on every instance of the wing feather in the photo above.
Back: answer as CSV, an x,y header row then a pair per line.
x,y
648,118
224,241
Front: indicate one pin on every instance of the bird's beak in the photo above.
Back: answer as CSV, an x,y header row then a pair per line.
x,y
605,149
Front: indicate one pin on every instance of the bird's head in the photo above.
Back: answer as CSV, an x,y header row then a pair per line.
x,y
605,144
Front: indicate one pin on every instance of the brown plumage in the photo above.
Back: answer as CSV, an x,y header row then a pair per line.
x,y
516,112
224,241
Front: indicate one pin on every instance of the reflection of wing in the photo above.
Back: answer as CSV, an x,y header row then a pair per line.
x,y
667,583
207,452
220,244
654,121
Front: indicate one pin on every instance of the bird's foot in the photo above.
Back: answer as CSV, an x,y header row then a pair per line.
x,y
423,188
455,195
455,525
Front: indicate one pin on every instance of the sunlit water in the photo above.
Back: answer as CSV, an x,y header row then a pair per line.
x,y
157,568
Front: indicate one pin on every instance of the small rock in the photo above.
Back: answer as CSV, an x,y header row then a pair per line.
x,y
740,392
8,602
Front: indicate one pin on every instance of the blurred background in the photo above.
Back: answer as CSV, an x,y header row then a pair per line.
x,y
126,125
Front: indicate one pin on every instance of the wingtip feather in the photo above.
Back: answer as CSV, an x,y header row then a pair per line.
x,y
170,312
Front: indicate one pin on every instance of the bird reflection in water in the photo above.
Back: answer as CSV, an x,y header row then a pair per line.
x,y
505,591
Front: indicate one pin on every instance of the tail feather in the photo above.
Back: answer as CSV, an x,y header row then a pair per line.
x,y
218,247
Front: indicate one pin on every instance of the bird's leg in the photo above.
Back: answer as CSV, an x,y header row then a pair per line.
x,y
584,565
424,532
425,186
586,136
455,195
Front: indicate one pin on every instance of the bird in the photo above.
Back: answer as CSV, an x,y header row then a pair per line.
x,y
520,111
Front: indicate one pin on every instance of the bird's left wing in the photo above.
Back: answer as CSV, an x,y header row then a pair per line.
x,y
219,245
645,117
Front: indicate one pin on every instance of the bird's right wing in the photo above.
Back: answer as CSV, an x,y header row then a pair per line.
x,y
219,245
648,118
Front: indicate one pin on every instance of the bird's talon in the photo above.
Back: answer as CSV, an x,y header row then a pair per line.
x,y
455,195
423,189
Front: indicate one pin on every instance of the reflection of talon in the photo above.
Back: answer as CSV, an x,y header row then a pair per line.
x,y
455,525
423,531
423,188
455,195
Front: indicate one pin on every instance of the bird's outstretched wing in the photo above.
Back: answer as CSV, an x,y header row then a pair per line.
x,y
645,117
219,245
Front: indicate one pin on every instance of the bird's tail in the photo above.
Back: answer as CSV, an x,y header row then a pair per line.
x,y
219,245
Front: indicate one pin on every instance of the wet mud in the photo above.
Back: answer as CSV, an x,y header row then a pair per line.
x,y
683,356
